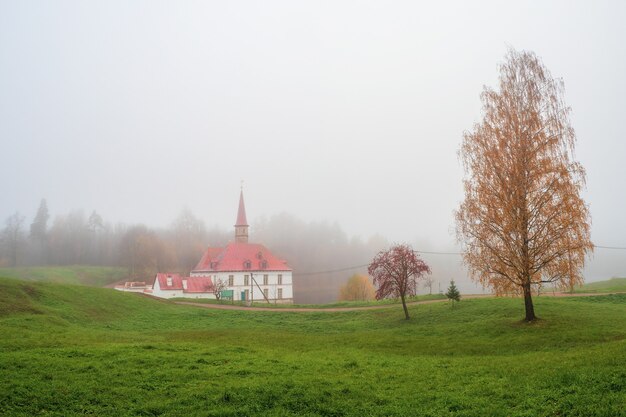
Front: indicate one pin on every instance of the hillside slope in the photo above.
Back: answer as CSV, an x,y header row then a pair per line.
x,y
96,276
609,285
71,350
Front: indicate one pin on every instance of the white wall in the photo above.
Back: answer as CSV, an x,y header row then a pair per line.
x,y
158,292
272,284
238,286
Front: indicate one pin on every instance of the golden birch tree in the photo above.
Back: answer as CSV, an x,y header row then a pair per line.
x,y
358,288
523,221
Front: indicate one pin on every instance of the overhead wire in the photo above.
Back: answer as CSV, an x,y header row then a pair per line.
x,y
349,268
609,247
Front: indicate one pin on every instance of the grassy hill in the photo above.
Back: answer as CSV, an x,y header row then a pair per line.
x,y
610,285
97,276
70,350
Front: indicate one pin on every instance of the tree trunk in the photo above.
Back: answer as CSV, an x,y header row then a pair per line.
x,y
406,310
528,303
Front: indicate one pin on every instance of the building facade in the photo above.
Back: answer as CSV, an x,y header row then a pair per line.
x,y
249,270
241,271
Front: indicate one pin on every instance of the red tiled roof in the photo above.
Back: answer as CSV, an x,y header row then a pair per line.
x,y
240,256
177,281
194,284
241,213
211,253
199,284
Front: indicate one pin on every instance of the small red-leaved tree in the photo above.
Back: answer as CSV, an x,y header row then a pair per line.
x,y
395,270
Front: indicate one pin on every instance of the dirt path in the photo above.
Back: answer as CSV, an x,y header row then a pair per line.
x,y
339,309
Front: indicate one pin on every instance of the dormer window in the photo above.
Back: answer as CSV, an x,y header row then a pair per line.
x,y
263,264
213,265
247,264
169,281
259,255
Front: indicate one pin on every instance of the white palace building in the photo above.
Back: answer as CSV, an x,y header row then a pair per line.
x,y
247,272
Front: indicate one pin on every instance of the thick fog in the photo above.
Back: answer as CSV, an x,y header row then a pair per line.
x,y
332,113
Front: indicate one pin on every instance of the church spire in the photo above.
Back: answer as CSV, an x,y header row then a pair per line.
x,y
241,227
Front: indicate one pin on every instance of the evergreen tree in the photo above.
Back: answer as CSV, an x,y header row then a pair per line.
x,y
453,293
39,235
39,226
95,222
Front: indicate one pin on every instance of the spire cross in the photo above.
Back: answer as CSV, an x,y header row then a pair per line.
x,y
241,227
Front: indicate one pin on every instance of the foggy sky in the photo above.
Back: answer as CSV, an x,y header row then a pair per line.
x,y
349,112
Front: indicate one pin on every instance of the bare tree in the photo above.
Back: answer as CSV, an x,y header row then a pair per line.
x,y
219,285
143,253
13,237
523,220
189,238
428,283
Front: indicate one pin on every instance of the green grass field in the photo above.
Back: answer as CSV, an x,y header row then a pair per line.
x,y
69,350
96,276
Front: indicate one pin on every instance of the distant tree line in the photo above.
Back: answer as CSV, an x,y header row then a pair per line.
x,y
315,250
319,253
74,238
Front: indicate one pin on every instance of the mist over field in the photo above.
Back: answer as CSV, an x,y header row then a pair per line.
x,y
312,208
342,119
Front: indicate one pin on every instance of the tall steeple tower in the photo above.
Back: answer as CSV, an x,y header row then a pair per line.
x,y
241,227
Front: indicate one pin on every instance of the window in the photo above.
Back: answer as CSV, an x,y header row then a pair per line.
x,y
280,279
280,293
265,292
265,279
247,264
231,280
246,280
169,281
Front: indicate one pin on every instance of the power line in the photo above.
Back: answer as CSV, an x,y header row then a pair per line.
x,y
459,253
333,270
609,247
437,253
349,268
